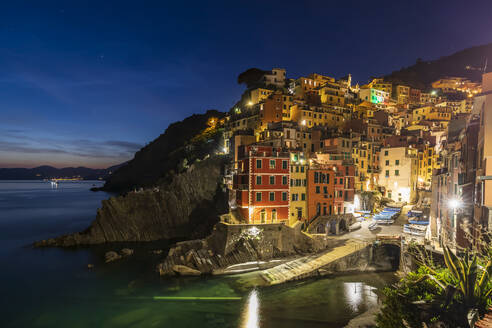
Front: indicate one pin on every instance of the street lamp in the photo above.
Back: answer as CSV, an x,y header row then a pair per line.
x,y
454,203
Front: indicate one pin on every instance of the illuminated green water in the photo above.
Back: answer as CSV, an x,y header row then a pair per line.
x,y
54,288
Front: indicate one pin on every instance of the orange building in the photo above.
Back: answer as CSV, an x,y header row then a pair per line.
x,y
330,188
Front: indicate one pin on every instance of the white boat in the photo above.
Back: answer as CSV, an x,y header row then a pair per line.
x,y
354,226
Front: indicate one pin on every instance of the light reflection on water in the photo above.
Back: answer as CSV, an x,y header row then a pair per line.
x,y
252,311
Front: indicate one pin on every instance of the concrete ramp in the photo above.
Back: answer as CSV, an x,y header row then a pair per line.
x,y
307,266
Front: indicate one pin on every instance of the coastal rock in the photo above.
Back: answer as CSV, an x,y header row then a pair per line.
x,y
186,208
183,270
111,256
229,245
126,252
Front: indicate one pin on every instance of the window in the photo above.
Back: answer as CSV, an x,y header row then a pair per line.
x,y
272,196
284,165
387,173
385,153
272,163
303,196
284,180
387,162
284,196
295,197
397,172
302,169
397,162
258,196
272,179
317,189
341,180
258,180
316,177
325,190
297,169
258,163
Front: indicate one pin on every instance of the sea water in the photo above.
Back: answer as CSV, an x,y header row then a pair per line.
x,y
53,287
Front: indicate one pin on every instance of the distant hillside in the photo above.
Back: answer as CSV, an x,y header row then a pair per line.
x,y
49,172
467,63
181,144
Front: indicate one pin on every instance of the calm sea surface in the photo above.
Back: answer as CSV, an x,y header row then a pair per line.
x,y
53,287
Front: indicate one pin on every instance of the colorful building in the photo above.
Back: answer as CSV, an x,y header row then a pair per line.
x,y
298,187
261,184
399,173
330,188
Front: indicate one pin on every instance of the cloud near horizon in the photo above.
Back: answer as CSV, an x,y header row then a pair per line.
x,y
18,149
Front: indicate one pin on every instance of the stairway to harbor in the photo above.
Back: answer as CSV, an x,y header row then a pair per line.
x,y
308,266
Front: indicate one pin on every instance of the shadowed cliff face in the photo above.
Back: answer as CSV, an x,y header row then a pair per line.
x,y
187,207
153,164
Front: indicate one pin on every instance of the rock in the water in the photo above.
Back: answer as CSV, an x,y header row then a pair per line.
x,y
111,256
183,270
126,251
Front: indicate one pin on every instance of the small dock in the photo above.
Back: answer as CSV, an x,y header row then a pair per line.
x,y
308,266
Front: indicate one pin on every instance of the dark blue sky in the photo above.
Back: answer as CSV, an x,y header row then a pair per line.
x,y
88,83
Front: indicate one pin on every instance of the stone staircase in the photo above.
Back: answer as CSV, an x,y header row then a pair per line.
x,y
308,266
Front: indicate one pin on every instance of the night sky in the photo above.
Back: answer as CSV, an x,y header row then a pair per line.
x,y
88,83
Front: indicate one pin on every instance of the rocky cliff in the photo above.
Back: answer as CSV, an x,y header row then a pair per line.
x,y
185,141
186,207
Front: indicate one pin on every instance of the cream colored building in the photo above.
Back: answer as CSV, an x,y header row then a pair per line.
x,y
399,172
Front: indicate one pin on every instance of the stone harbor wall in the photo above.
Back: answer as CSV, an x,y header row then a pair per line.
x,y
230,245
369,259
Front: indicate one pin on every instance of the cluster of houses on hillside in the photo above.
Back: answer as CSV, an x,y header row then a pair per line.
x,y
306,147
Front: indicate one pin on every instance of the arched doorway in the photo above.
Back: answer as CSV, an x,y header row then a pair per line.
x,y
320,228
263,216
343,225
274,215
333,226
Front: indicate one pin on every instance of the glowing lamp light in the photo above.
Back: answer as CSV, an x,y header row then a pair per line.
x,y
251,209
454,203
250,103
303,122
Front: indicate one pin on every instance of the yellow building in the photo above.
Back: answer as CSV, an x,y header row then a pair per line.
x,y
332,94
366,158
298,188
431,113
364,110
428,161
402,94
287,102
310,116
379,84
257,95
321,79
